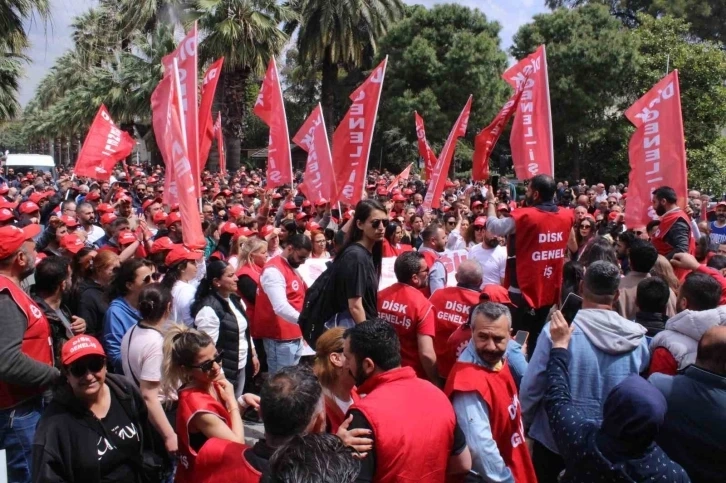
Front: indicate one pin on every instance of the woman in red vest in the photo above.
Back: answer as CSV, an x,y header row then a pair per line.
x,y
338,384
392,246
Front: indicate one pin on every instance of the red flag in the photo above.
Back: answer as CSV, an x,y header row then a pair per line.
x,y
220,145
486,140
354,135
270,107
401,177
318,181
424,150
438,177
186,56
161,100
531,138
105,146
657,150
206,134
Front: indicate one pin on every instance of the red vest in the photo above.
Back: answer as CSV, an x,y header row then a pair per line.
x,y
451,309
663,247
411,314
252,271
454,347
191,402
222,461
430,258
394,250
268,325
334,417
541,247
413,425
499,392
37,343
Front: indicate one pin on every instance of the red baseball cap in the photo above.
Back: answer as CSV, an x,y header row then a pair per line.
x,y
69,221
28,207
495,293
161,244
321,202
148,203
80,346
480,221
108,218
503,206
720,203
382,191
276,196
312,226
36,197
12,238
249,192
477,203
290,205
173,217
228,227
245,232
236,210
6,214
399,198
72,243
160,216
306,204
449,184
408,192
104,208
93,196
7,204
179,253
301,216
126,237
268,230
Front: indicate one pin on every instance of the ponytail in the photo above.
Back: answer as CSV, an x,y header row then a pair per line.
x,y
181,346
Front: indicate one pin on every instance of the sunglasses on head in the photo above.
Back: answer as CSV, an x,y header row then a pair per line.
x,y
92,364
377,223
209,365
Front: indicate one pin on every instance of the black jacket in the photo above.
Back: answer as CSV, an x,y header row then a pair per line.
x,y
653,322
679,237
228,340
66,438
92,306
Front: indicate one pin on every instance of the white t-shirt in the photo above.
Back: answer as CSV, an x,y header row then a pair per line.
x,y
143,354
493,263
182,297
95,234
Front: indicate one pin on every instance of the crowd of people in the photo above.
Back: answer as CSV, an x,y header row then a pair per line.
x,y
562,345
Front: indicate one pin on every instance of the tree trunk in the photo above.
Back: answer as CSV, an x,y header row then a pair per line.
x,y
327,92
234,113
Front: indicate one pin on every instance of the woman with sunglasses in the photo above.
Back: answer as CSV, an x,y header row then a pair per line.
x,y
96,427
181,278
584,233
91,290
122,314
217,311
207,405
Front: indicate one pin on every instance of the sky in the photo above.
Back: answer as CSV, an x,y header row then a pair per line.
x,y
51,41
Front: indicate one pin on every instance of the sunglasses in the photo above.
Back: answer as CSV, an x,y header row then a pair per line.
x,y
479,228
91,364
208,365
585,226
377,223
451,223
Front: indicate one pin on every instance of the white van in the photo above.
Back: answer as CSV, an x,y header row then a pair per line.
x,y
23,162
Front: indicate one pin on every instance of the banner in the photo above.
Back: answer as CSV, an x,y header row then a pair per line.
x,y
401,177
104,146
186,56
353,137
270,107
657,150
206,130
486,140
441,169
160,111
531,138
220,145
318,181
424,149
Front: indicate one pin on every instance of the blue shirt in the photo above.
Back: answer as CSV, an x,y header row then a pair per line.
x,y
718,235
119,318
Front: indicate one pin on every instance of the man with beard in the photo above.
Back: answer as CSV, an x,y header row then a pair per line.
x,y
491,255
87,218
433,244
536,251
485,399
280,297
718,227
412,424
404,307
418,203
26,368
674,232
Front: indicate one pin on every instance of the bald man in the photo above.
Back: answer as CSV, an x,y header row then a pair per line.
x,y
451,308
695,424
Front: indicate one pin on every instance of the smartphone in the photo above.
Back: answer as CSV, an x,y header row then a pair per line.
x,y
495,184
521,337
573,303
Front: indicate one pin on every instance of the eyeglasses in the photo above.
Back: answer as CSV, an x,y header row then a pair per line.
x,y
583,227
92,364
320,242
377,223
209,365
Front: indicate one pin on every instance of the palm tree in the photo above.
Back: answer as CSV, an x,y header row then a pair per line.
x,y
340,33
247,34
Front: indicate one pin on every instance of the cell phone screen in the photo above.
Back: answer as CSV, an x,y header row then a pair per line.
x,y
521,337
573,303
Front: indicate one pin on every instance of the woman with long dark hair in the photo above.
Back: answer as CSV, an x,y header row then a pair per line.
x,y
392,246
584,232
217,311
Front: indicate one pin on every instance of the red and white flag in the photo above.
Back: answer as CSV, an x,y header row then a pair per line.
x,y
270,107
486,140
424,149
353,137
318,181
220,144
186,56
657,150
438,177
206,123
531,139
403,176
105,146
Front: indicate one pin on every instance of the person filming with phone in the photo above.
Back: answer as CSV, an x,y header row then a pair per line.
x,y
604,349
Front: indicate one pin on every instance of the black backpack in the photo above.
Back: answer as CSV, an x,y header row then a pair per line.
x,y
317,307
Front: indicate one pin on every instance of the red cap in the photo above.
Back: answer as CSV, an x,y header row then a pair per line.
x,y
495,293
306,204
399,198
228,227
370,187
148,203
268,230
249,192
69,221
72,243
36,197
80,346
7,204
174,207
408,192
108,218
124,198
245,232
6,214
613,215
28,207
276,196
382,191
449,184
348,215
480,221
301,216
720,203
161,244
152,179
290,205
236,210
312,226
321,202
93,196
173,217
226,192
4,189
477,203
179,253
503,206
126,237
396,191
104,208
160,216
12,238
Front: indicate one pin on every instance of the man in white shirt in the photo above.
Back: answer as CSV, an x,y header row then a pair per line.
x,y
491,256
600,193
86,215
